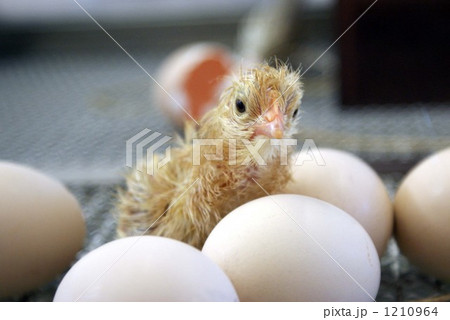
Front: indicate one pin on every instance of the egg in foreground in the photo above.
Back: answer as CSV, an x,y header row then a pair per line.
x,y
295,248
146,268
41,229
350,184
422,215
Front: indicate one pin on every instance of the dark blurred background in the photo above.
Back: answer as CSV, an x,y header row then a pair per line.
x,y
70,97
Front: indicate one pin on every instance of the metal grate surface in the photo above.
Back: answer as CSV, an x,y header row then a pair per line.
x,y
69,112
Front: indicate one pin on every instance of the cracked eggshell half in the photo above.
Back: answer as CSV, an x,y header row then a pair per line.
x,y
192,77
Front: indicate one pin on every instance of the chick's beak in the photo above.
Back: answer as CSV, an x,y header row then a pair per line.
x,y
273,126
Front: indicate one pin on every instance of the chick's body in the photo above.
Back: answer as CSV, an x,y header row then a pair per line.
x,y
225,162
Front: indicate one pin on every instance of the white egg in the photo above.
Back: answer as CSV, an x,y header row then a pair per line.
x,y
41,228
350,184
422,215
146,268
295,248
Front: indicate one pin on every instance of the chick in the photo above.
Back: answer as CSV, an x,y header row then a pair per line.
x,y
188,196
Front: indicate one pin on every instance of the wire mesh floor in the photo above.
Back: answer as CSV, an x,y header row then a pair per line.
x,y
69,113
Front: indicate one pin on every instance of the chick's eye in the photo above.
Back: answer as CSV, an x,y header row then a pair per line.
x,y
295,113
240,106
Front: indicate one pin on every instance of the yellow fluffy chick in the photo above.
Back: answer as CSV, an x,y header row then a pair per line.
x,y
206,179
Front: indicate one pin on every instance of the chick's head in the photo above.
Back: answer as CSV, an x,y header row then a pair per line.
x,y
262,103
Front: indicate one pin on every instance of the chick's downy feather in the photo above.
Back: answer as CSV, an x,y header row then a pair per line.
x,y
206,179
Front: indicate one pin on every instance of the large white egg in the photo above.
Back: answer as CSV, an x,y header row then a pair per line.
x,y
146,268
295,248
41,228
350,184
422,215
